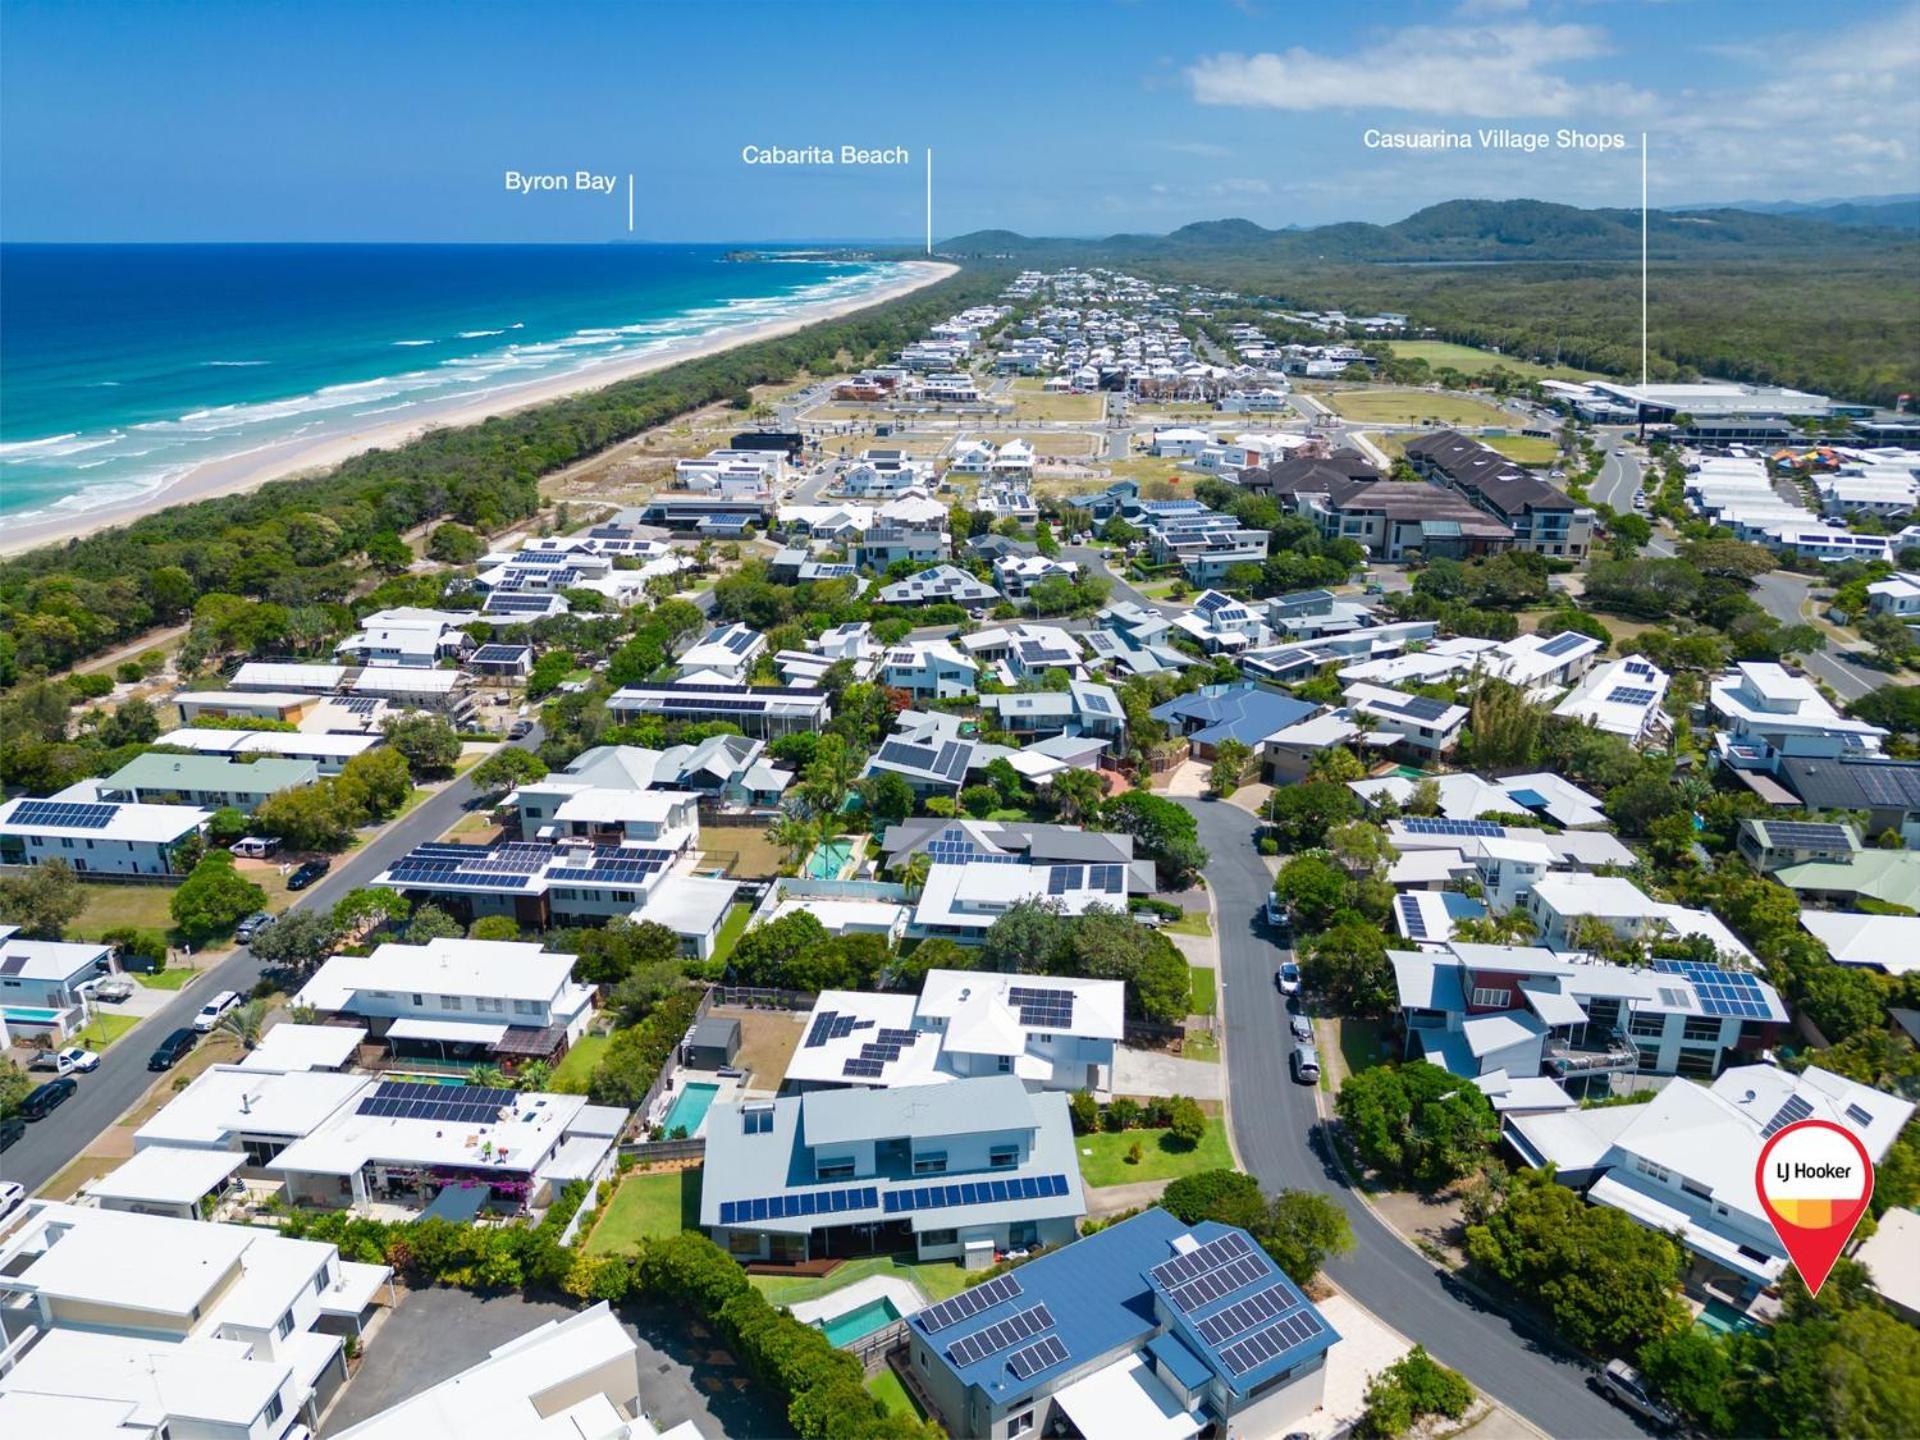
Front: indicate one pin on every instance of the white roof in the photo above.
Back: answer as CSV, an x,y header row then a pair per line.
x,y
463,1032
501,969
522,1138
622,806
212,1382
168,1174
1127,1398
549,1384
842,915
140,824
243,699
137,1262
1620,697
408,680
872,1012
1892,1255
1099,1006
689,905
1467,797
291,1046
54,960
228,1100
1888,942
267,674
269,742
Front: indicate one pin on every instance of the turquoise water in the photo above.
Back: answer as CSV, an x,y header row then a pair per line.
x,y
690,1109
29,1014
856,1324
1723,1319
828,859
125,366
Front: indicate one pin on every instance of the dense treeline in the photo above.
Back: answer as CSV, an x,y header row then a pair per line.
x,y
301,544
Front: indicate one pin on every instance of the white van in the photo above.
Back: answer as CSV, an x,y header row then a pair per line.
x,y
211,1012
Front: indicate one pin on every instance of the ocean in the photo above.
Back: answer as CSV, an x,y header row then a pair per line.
x,y
124,366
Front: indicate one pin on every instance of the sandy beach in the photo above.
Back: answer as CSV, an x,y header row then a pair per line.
x,y
315,453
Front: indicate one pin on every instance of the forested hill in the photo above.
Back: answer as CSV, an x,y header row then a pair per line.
x,y
1464,230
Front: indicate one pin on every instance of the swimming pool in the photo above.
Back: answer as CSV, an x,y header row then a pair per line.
x,y
829,858
1722,1319
690,1108
857,1324
30,1014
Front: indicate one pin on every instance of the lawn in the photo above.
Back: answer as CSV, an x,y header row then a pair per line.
x,y
1203,990
1525,449
115,907
887,1389
1201,1045
175,977
940,1279
1161,1157
1032,402
1361,1044
1415,407
104,1029
731,929
1471,360
1192,922
646,1206
570,1075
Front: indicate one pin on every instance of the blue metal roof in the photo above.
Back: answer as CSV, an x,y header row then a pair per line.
x,y
1246,713
1185,1366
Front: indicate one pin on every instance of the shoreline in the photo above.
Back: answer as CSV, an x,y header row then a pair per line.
x,y
286,459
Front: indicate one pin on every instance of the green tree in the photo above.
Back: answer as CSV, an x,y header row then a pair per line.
x,y
1226,1196
1413,1387
1230,759
1312,890
15,1085
1690,1369
1347,964
1162,831
494,927
1417,1124
369,905
42,900
1029,938
455,545
1301,1230
214,898
298,941
507,768
245,1023
769,954
1075,795
430,922
1186,1121
889,798
427,743
307,817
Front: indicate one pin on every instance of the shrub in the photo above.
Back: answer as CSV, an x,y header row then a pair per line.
x,y
1186,1121
1085,1111
1414,1386
634,1056
1123,1114
1136,1152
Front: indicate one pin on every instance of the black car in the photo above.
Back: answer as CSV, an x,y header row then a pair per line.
x,y
11,1129
172,1050
308,873
41,1103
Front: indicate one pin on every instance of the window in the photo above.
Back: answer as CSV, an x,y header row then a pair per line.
x,y
1701,1027
489,1004
1695,1189
1003,1157
1491,996
285,1326
931,1162
1695,1062
939,1237
419,999
272,1412
449,1002
1651,1170
1649,1027
1649,1058
1004,1063
1020,1424
837,1167
319,1281
526,1007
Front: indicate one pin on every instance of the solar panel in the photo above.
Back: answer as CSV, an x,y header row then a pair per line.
x,y
1420,707
1629,695
1031,1361
1795,1108
1429,825
967,1304
1411,918
500,604
499,654
1285,1334
67,814
821,1030
1042,1009
1002,1335
1095,703
1860,1116
1563,644
1800,832
1198,1261
862,1069
1217,1284
1062,878
1217,1329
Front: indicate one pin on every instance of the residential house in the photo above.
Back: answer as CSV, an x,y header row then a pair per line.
x,y
1145,1328
1470,797
1543,520
960,841
927,750
942,585
1891,877
1025,653
1887,790
1221,623
851,644
929,669
886,545
1558,903
725,656
1421,725
961,899
884,472
765,712
74,826
1083,708
1770,845
1624,697
329,753
1016,575
506,663
408,636
46,986
1213,714
1887,943
1769,715
967,1170
212,782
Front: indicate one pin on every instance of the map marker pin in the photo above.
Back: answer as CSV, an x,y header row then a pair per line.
x,y
1814,1180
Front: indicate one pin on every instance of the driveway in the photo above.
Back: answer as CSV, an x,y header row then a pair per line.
x,y
1275,1126
1148,1072
435,1334
1783,595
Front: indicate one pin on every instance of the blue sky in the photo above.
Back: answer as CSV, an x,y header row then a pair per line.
x,y
218,120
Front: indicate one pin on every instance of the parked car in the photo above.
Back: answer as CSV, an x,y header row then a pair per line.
x,y
252,926
309,872
211,1012
1276,912
1287,977
1623,1385
520,730
1301,1027
1305,1062
256,847
80,1058
173,1050
12,1192
64,1062
116,989
11,1129
47,1098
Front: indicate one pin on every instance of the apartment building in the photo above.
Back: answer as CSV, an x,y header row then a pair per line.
x,y
1543,520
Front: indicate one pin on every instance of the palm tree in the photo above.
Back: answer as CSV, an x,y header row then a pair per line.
x,y
914,876
245,1022
796,835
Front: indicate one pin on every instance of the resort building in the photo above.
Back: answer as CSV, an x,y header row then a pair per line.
x,y
765,712
211,782
967,1171
1544,520
1146,1329
74,826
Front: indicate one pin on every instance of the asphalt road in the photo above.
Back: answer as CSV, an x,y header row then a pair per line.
x,y
1619,478
122,1077
1275,1123
1782,594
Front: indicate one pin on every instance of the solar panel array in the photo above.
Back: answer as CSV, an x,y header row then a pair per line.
x,y
454,1104
500,654
798,1203
1860,1115
1420,707
1042,1009
1111,879
1217,1284
954,846
1640,668
67,814
1275,1340
1241,1316
1043,1355
877,1053
1001,1335
832,1025
967,1304
500,603
1808,833
1794,1109
975,1192
359,704
1721,991
1214,1255
1429,825
1563,644
1094,703
1411,919
1629,695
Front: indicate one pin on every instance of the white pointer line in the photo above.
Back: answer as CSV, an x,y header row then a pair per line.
x,y
1643,258
629,202
929,202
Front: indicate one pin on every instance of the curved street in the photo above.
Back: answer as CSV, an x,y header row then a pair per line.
x,y
1274,1125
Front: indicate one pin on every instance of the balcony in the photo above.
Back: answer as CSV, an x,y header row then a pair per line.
x,y
1590,1057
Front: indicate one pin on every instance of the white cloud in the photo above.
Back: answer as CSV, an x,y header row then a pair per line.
x,y
1472,9
1491,71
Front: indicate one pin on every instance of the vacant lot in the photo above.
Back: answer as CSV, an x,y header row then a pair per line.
x,y
647,1206
1470,360
1103,1157
743,851
1525,449
1415,407
768,1039
114,907
1032,402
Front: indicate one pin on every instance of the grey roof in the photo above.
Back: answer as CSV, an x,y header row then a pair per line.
x,y
962,1107
715,1030
1040,842
1825,784
157,771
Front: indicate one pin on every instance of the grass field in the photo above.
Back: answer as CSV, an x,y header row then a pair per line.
x,y
104,1029
1031,402
1204,990
887,1389
174,978
940,1279
1161,1158
1361,1044
1192,922
1201,1045
115,907
1415,407
570,1075
647,1206
1470,360
1526,449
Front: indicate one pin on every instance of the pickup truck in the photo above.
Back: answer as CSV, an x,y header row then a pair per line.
x,y
115,990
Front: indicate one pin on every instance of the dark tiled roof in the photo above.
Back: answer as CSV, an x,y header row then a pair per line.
x,y
1475,468
1853,784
